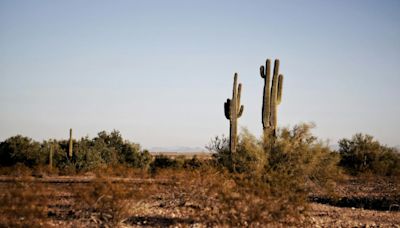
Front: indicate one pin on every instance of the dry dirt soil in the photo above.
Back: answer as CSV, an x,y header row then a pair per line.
x,y
65,202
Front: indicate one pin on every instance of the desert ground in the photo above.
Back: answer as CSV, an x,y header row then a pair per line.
x,y
168,200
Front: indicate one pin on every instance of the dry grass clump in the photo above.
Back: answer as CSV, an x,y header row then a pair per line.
x,y
120,170
242,201
106,202
103,202
23,204
18,170
216,197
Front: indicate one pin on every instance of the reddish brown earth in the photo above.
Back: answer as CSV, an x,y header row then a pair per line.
x,y
167,208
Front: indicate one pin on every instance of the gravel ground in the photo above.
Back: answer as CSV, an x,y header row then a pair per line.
x,y
166,210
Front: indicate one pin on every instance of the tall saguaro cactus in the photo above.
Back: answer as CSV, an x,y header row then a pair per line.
x,y
70,144
51,151
272,96
233,111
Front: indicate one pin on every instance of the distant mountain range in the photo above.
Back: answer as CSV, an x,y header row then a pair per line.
x,y
178,149
187,149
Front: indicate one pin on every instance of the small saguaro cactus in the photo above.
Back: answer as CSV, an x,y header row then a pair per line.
x,y
51,151
70,144
233,111
272,96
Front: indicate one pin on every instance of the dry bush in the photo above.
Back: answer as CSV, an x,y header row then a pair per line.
x,y
299,160
218,198
120,170
18,170
44,171
68,169
105,202
23,204
274,175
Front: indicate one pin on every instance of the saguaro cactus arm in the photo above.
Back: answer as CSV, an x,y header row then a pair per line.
x,y
240,111
227,108
236,95
239,107
280,85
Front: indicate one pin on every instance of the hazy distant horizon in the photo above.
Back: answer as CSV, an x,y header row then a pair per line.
x,y
160,71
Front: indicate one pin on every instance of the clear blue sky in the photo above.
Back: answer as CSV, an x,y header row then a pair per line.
x,y
160,71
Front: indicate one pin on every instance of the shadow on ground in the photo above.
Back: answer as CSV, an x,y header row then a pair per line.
x,y
157,221
379,204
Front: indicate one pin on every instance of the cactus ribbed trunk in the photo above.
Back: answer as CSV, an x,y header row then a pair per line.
x,y
233,118
51,155
272,96
70,144
233,111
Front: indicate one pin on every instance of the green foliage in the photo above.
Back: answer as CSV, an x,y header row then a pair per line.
x,y
296,158
19,149
291,160
248,157
115,150
85,157
176,163
88,154
362,153
274,175
161,162
193,163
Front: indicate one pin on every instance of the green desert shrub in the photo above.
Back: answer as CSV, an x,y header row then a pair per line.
x,y
163,162
20,149
297,162
59,153
193,163
85,156
249,156
296,152
362,153
179,162
274,175
287,164
116,150
107,149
